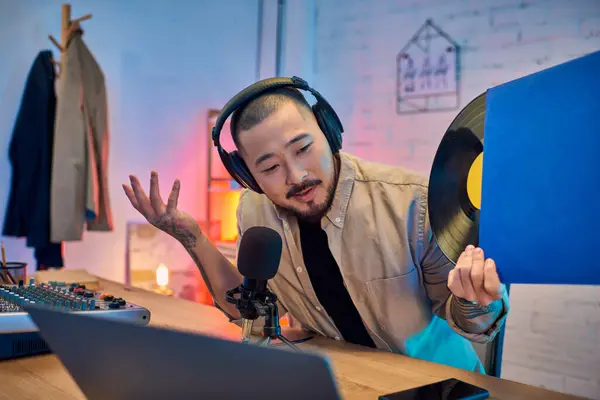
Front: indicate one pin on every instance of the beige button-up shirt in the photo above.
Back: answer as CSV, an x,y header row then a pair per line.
x,y
379,234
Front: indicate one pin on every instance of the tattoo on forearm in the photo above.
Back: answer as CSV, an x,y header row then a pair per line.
x,y
189,239
472,311
184,235
472,314
198,263
475,318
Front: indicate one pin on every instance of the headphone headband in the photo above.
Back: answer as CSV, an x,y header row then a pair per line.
x,y
253,91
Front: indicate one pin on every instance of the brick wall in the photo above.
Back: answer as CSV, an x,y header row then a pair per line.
x,y
553,332
552,338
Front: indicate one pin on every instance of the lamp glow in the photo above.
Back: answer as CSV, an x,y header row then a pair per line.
x,y
162,275
162,280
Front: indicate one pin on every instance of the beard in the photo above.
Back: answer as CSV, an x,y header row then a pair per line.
x,y
316,211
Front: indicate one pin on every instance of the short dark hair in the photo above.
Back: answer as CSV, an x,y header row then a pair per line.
x,y
261,107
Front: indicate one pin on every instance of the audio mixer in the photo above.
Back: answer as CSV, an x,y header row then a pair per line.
x,y
19,336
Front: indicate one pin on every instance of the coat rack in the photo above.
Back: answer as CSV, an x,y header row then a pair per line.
x,y
67,26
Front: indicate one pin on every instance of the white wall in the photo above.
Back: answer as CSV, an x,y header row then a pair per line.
x,y
553,332
164,66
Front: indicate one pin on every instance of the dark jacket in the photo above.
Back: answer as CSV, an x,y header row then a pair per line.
x,y
30,154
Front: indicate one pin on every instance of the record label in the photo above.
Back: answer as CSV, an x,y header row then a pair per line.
x,y
474,180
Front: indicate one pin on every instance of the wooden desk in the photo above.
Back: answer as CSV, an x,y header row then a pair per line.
x,y
362,373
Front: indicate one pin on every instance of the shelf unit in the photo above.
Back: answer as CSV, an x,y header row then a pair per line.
x,y
222,189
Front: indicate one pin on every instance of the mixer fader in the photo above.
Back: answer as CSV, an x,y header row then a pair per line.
x,y
19,335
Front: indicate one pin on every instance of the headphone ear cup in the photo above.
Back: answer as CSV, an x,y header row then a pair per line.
x,y
329,124
238,170
227,163
244,176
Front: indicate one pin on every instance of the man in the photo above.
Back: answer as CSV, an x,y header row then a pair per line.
x,y
359,262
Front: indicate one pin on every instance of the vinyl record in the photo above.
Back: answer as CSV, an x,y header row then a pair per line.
x,y
455,182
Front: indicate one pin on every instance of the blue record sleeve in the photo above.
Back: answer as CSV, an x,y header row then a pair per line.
x,y
540,204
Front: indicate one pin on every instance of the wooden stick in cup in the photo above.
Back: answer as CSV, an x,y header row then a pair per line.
x,y
4,265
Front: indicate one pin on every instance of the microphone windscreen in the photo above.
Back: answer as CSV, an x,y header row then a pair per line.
x,y
259,253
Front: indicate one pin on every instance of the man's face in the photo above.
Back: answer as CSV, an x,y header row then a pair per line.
x,y
290,159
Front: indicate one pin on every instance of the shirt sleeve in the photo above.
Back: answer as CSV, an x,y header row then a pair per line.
x,y
473,321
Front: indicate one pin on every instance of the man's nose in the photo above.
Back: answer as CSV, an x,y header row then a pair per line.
x,y
295,175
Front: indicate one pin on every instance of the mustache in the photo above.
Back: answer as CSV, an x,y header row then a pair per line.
x,y
303,186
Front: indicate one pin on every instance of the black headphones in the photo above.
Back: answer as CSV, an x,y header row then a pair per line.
x,y
326,117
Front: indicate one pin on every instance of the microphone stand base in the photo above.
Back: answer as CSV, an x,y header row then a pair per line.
x,y
266,340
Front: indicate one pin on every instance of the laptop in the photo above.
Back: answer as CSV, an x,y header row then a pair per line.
x,y
117,360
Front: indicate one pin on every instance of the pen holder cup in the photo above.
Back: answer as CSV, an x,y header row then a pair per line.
x,y
13,273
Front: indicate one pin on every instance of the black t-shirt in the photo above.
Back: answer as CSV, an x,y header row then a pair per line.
x,y
328,284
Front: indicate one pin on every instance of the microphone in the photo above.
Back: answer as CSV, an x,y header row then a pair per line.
x,y
258,261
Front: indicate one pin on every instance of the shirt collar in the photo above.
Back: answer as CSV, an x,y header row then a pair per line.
x,y
341,198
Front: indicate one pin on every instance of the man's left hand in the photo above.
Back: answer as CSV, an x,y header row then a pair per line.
x,y
474,278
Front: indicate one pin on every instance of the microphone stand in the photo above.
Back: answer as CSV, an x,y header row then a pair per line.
x,y
253,305
272,329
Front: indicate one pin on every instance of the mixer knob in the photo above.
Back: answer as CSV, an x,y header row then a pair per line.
x,y
31,281
114,305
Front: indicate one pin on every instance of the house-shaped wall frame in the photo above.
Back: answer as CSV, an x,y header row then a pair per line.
x,y
427,71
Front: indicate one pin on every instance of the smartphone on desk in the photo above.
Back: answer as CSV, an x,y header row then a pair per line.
x,y
450,389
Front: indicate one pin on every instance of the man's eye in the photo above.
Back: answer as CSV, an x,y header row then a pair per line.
x,y
305,148
271,169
